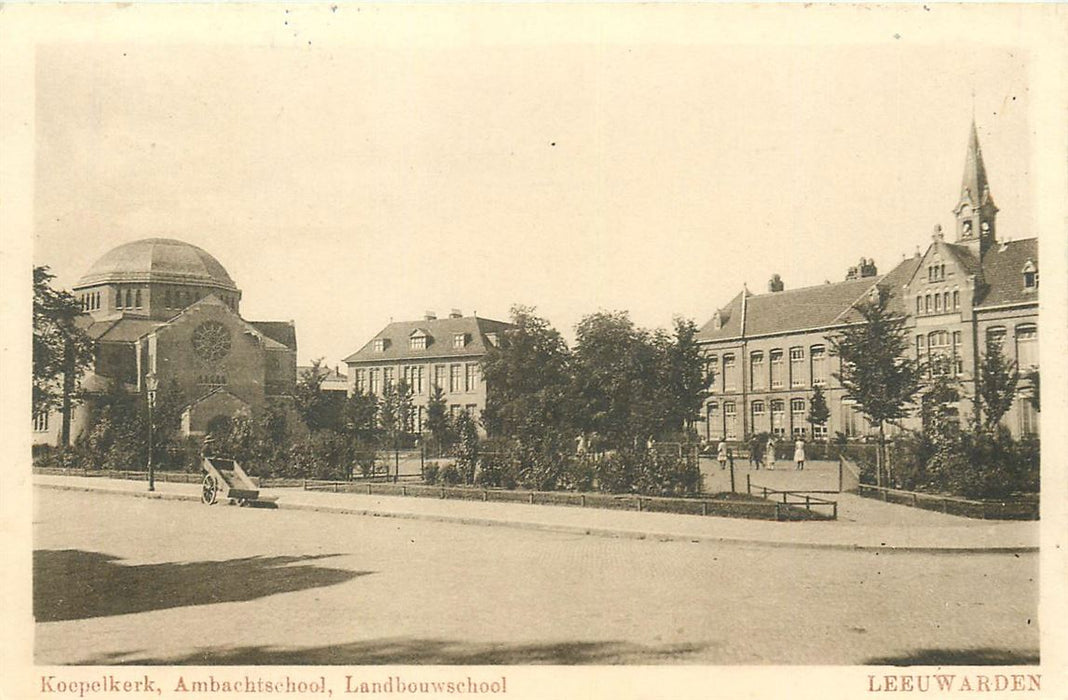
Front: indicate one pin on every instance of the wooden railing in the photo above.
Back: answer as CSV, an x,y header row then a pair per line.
x,y
795,498
1024,508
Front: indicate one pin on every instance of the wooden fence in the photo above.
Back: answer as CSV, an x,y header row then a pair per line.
x,y
1024,508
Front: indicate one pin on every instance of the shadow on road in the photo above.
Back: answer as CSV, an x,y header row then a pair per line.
x,y
421,651
71,584
983,656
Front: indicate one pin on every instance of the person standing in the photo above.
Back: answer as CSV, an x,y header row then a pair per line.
x,y
799,453
769,454
721,454
756,446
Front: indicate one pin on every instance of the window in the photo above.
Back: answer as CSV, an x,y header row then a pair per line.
x,y
730,380
776,368
387,378
757,409
995,336
850,419
471,409
797,366
919,304
439,376
212,380
730,417
380,344
921,344
137,299
939,352
1028,417
372,381
359,381
1026,347
757,378
459,340
797,407
777,416
416,381
417,342
129,298
454,410
712,426
40,422
927,303
956,299
118,299
712,368
1030,275
958,358
945,301
454,378
493,339
471,377
937,302
818,355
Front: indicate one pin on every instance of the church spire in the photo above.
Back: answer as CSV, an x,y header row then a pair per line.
x,y
974,184
975,211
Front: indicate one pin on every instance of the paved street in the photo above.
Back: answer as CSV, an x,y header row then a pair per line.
x,y
132,580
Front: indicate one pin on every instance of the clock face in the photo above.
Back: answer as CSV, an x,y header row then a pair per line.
x,y
211,341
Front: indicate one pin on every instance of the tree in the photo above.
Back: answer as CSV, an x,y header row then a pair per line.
x,y
359,417
466,447
995,387
527,378
318,409
62,351
395,415
685,378
437,419
818,412
876,372
619,380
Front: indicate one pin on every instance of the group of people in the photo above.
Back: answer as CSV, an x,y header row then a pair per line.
x,y
760,454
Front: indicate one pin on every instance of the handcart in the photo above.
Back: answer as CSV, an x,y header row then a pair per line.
x,y
224,478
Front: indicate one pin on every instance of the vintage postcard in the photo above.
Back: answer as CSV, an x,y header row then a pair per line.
x,y
521,350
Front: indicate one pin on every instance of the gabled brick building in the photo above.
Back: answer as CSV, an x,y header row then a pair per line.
x,y
769,351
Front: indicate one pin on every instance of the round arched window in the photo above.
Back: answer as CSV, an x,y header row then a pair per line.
x,y
211,341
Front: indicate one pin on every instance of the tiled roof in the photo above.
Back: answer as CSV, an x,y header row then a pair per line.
x,y
283,332
730,319
1003,272
440,343
965,257
123,330
333,379
820,306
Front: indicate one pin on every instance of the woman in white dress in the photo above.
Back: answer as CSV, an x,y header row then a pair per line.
x,y
769,454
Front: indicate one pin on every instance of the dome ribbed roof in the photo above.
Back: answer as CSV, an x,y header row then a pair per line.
x,y
158,260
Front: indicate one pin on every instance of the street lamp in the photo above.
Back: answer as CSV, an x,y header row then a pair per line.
x,y
151,385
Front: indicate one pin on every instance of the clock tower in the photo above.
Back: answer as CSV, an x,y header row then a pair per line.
x,y
975,212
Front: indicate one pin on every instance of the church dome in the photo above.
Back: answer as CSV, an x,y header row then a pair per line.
x,y
158,260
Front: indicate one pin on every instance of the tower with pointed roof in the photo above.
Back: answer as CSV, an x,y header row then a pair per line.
x,y
975,211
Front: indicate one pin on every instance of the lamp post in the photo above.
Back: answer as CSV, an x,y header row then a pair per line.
x,y
151,385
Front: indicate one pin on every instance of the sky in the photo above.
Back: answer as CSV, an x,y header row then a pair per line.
x,y
348,185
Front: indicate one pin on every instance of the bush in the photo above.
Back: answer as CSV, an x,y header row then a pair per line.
x,y
431,473
322,455
450,475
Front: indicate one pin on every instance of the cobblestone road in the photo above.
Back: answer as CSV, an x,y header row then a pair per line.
x,y
130,580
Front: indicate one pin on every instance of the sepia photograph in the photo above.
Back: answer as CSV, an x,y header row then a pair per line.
x,y
651,350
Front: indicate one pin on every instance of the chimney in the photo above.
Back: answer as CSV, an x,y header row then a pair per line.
x,y
775,283
430,316
456,313
867,267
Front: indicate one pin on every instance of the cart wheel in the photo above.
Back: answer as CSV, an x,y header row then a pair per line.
x,y
211,490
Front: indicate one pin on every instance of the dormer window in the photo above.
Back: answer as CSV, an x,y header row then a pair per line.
x,y
1030,275
417,340
459,340
381,344
493,339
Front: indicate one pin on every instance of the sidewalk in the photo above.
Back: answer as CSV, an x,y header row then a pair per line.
x,y
864,524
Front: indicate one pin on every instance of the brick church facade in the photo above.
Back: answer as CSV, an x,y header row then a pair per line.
x,y
164,308
770,351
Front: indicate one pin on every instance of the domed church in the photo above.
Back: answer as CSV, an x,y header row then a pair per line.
x,y
165,308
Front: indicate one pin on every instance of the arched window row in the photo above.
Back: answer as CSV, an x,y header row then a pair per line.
x,y
769,368
938,301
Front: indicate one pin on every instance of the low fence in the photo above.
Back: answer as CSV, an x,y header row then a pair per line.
x,y
797,499
752,509
770,509
1025,508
